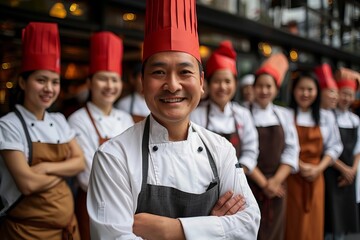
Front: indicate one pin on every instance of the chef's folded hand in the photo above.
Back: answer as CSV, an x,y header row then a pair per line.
x,y
228,204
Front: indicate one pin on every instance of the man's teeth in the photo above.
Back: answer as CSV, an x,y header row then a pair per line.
x,y
172,100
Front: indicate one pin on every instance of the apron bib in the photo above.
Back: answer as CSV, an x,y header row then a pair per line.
x,y
48,214
271,146
171,202
305,200
341,210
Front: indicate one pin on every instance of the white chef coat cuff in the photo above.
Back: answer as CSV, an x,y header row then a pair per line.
x,y
334,155
293,164
208,227
249,163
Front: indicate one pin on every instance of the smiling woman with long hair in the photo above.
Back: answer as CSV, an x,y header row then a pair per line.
x,y
38,148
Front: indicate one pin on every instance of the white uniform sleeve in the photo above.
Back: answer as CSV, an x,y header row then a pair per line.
x,y
357,146
290,155
87,142
249,142
242,225
110,200
331,136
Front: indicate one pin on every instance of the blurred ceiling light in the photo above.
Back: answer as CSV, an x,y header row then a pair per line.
x,y
14,3
6,65
9,85
204,51
294,56
58,10
70,72
76,10
129,17
265,48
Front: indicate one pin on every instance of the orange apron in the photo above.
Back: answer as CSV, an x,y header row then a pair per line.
x,y
305,202
48,214
80,205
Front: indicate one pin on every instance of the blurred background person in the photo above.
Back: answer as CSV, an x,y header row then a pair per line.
x,y
247,90
99,120
328,86
278,145
222,115
135,103
38,148
341,210
320,147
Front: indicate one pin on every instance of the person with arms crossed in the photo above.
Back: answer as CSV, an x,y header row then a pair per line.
x,y
38,148
161,178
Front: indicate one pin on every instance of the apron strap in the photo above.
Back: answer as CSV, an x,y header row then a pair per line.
x,y
27,135
93,121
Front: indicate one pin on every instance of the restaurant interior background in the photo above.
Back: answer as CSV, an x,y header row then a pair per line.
x,y
309,32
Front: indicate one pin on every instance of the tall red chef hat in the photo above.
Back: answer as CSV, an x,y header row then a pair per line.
x,y
40,47
106,52
346,77
325,76
171,25
276,66
224,57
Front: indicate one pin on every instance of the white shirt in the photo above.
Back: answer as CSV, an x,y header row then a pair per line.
x,y
52,129
224,122
139,105
116,178
329,130
274,115
109,126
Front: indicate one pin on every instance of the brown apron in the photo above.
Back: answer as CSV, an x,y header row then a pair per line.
x,y
48,214
80,205
305,204
271,146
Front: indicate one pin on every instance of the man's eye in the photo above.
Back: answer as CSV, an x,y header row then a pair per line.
x,y
158,72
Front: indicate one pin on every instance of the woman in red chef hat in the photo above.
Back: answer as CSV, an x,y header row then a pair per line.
x,y
222,115
99,121
341,210
278,145
38,148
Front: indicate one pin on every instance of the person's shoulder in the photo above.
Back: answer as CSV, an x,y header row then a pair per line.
x,y
78,114
209,137
238,108
8,117
124,102
121,113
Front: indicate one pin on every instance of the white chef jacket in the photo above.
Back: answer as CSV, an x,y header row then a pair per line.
x,y
52,129
109,126
223,122
274,115
116,178
329,130
139,105
347,119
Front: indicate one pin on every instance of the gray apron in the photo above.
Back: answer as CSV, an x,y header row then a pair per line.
x,y
171,202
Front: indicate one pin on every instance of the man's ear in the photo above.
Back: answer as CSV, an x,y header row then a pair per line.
x,y
202,79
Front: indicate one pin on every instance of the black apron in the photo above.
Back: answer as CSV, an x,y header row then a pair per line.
x,y
233,138
341,210
171,202
271,146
